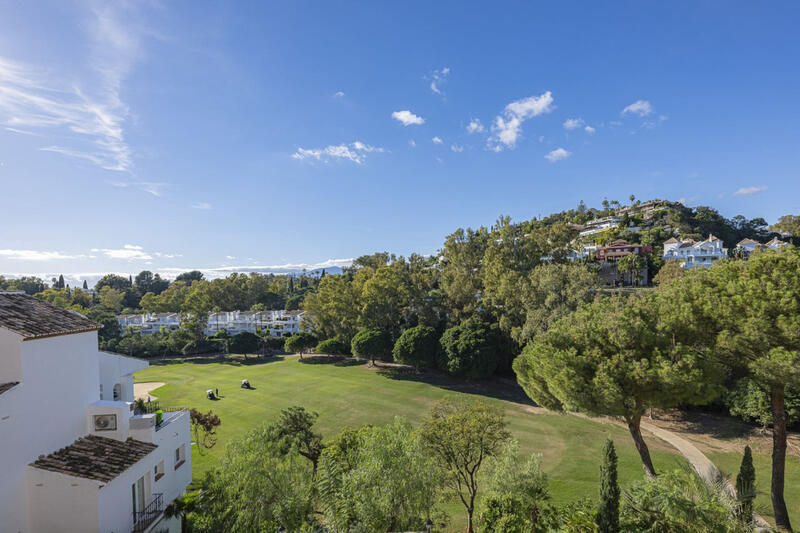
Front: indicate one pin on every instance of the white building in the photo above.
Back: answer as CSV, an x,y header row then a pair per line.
x,y
73,455
748,246
278,323
599,224
692,254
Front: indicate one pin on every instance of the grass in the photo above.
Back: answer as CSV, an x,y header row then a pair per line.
x,y
729,464
353,395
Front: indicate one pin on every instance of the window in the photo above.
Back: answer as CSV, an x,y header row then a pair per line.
x,y
117,392
180,456
158,470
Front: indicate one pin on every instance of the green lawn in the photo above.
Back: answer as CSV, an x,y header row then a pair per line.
x,y
729,463
352,395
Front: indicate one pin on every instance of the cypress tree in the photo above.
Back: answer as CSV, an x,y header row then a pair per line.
x,y
85,285
608,509
746,487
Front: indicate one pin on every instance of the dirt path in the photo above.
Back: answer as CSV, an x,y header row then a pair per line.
x,y
142,390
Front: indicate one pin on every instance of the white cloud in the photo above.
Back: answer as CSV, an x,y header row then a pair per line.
x,y
573,123
650,124
749,191
129,252
437,80
338,94
412,143
37,255
588,129
201,205
475,126
88,118
407,118
355,152
456,148
557,155
437,140
507,127
230,257
641,108
151,187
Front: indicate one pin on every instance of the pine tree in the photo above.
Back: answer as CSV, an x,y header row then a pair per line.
x,y
746,487
85,285
60,282
608,509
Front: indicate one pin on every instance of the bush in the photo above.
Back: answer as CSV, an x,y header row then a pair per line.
x,y
372,343
300,342
245,343
274,343
471,349
333,346
504,514
417,346
200,346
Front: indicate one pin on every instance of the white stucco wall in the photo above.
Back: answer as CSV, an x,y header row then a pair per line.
x,y
62,503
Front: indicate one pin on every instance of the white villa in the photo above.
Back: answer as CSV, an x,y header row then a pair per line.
x,y
748,246
74,456
693,254
278,323
599,224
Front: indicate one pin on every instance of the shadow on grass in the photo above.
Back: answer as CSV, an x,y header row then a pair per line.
x,y
500,388
335,360
234,360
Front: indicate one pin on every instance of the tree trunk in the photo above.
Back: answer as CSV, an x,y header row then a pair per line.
x,y
641,446
470,527
779,458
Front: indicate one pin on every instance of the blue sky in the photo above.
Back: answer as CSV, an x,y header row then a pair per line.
x,y
177,135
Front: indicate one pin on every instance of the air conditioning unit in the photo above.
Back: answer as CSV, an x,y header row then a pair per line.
x,y
105,422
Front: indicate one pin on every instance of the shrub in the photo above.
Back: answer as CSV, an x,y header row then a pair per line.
x,y
159,417
417,346
372,343
504,514
470,349
334,346
245,343
300,342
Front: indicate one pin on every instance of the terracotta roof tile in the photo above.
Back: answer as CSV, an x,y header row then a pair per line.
x,y
32,318
93,457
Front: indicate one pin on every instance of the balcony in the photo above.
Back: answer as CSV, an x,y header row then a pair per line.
x,y
143,519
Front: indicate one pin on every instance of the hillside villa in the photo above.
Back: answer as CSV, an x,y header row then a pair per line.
x,y
76,457
691,253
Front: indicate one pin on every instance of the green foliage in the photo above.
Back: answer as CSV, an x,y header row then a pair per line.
x,y
244,343
631,265
751,402
679,501
159,417
615,357
377,479
372,343
608,508
417,346
462,279
256,487
471,349
294,432
503,514
461,435
333,346
670,271
300,342
746,487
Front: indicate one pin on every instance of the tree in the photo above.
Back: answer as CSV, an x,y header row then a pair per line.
x,y
472,349
746,487
115,281
461,258
631,264
334,309
384,297
461,435
204,428
787,224
294,430
377,479
85,285
372,343
258,486
671,271
747,315
417,346
608,509
614,357
111,298
245,343
301,342
189,277
332,347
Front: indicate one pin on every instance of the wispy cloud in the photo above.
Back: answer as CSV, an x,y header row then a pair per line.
x,y
457,148
557,155
355,152
437,140
150,187
412,143
201,205
475,126
588,129
507,127
407,118
640,108
573,123
338,94
438,79
749,191
88,118
37,255
129,252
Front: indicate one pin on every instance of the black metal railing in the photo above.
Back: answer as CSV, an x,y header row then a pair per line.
x,y
142,519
